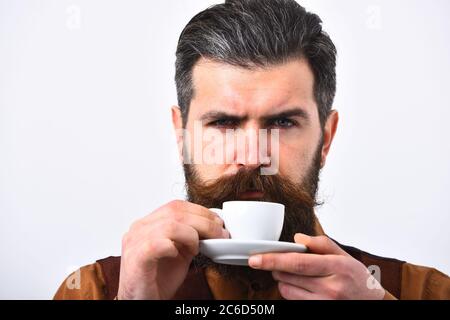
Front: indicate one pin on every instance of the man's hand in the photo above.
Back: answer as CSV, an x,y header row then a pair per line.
x,y
325,272
158,249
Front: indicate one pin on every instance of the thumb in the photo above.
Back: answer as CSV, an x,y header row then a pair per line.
x,y
319,244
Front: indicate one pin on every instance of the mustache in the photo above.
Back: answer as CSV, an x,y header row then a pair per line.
x,y
274,188
298,198
299,201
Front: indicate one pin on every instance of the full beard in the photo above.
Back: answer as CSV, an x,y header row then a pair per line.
x,y
299,200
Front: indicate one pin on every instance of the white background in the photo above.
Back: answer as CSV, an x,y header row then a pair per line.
x,y
86,145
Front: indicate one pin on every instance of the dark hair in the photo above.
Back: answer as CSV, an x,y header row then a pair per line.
x,y
257,33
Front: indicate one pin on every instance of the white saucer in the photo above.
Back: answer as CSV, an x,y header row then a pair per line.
x,y
237,252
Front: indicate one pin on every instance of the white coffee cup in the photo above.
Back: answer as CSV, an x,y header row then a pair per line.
x,y
252,220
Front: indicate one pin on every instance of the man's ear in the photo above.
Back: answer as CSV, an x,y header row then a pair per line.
x,y
177,122
328,134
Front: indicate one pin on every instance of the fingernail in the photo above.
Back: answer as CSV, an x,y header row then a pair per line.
x,y
218,220
255,261
300,235
225,233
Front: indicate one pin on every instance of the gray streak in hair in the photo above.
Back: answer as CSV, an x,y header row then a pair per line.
x,y
257,34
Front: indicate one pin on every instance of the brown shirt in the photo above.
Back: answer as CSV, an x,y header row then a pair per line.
x,y
416,283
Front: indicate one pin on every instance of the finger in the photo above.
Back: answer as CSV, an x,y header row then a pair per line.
x,y
206,228
176,232
299,263
290,292
151,251
310,283
185,235
176,209
319,244
202,211
199,210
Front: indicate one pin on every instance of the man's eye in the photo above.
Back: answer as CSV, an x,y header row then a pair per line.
x,y
283,123
222,123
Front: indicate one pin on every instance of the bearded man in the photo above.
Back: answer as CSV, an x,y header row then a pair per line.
x,y
250,66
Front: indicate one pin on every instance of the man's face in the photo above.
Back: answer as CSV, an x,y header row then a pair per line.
x,y
231,98
278,97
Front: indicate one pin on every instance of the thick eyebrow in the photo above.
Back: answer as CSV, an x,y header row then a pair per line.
x,y
293,112
214,115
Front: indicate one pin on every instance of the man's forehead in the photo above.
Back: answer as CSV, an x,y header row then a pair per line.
x,y
240,90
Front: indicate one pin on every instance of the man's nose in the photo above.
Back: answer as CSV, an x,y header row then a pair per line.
x,y
251,148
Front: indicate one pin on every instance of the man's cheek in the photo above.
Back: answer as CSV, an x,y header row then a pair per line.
x,y
207,172
293,167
